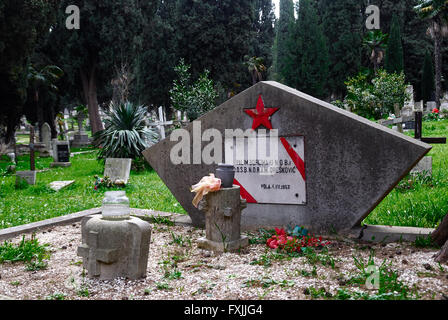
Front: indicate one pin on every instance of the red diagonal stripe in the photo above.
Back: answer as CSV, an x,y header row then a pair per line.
x,y
300,165
246,195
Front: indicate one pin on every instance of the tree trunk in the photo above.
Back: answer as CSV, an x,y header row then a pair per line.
x,y
91,98
442,255
440,235
39,114
438,61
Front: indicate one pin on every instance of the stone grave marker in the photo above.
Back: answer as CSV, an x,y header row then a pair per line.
x,y
61,154
326,169
118,169
58,185
46,140
431,105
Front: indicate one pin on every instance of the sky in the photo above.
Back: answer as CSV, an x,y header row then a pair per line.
x,y
277,7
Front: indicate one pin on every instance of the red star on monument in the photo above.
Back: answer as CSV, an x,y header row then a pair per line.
x,y
261,115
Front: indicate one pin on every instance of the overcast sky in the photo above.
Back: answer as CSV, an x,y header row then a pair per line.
x,y
277,7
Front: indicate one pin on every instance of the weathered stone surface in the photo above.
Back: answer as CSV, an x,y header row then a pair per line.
x,y
115,248
61,153
351,163
222,210
423,167
27,176
58,185
46,140
118,169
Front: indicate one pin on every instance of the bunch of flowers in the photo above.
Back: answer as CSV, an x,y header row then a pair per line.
x,y
294,240
433,116
106,182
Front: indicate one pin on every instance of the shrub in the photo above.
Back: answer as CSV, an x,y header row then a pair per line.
x,y
125,135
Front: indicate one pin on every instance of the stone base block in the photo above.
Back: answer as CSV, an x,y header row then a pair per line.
x,y
60,164
424,167
28,176
115,248
231,246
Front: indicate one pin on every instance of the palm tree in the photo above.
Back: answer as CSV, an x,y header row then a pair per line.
x,y
47,76
255,67
436,11
376,42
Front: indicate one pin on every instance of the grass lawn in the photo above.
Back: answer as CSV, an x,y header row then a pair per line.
x,y
421,202
34,203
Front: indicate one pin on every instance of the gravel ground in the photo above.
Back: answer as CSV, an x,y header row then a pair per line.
x,y
204,275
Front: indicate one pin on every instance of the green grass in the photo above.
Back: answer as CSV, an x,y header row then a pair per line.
x,y
421,203
145,190
29,251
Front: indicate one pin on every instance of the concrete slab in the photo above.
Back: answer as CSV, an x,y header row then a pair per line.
x,y
386,234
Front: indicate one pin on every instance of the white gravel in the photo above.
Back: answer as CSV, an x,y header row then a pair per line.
x,y
205,275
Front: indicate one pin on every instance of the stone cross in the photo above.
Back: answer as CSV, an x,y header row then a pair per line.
x,y
161,123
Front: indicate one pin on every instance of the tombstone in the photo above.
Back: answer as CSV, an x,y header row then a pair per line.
x,y
418,106
58,185
46,140
410,101
118,169
407,111
333,167
423,167
61,154
26,176
431,105
80,139
114,244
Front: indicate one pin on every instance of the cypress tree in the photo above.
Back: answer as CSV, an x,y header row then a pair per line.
x,y
283,35
342,25
427,85
308,60
394,53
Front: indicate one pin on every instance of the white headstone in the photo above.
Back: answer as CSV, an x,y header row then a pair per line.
x,y
118,169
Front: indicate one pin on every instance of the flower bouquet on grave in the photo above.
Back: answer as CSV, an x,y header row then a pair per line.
x,y
106,182
295,240
207,184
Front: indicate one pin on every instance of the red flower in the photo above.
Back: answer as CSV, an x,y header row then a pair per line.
x,y
435,110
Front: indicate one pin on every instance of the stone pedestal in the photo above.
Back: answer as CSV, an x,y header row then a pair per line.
x,y
81,139
113,243
223,220
28,176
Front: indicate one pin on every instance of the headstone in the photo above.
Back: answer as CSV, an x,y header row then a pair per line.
x,y
114,244
118,169
423,167
61,154
418,106
46,140
407,111
410,101
27,176
58,185
338,165
431,105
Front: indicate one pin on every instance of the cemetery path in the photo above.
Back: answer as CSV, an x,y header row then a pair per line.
x,y
177,269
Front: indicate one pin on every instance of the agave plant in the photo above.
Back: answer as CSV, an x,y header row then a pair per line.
x,y
125,134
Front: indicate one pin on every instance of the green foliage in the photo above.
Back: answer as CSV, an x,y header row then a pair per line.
x,y
195,99
125,134
306,64
376,98
394,61
284,31
29,251
342,18
427,84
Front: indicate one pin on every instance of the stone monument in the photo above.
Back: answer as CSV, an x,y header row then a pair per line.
x,y
61,153
46,140
118,169
222,211
114,244
326,170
